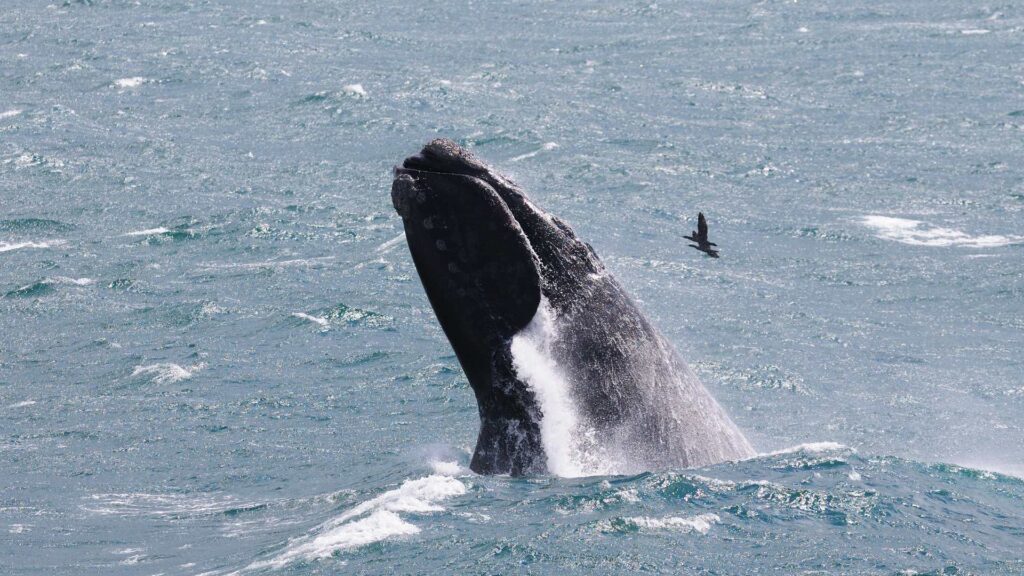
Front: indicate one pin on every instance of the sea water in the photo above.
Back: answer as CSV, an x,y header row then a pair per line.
x,y
216,356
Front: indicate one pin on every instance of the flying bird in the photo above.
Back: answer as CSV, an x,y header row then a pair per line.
x,y
700,236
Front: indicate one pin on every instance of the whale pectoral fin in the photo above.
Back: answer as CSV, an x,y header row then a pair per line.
x,y
475,262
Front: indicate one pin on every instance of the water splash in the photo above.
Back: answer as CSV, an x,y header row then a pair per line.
x,y
571,446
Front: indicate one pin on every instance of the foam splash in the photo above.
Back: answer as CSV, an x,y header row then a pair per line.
x,y
918,233
372,521
7,247
22,404
9,114
167,373
570,446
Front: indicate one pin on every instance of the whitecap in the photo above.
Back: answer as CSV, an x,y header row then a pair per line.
x,y
372,521
701,523
545,147
270,263
147,232
133,82
918,233
72,281
9,114
354,90
322,322
7,247
167,373
22,404
809,447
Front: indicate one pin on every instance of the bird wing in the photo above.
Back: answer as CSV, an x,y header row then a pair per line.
x,y
702,226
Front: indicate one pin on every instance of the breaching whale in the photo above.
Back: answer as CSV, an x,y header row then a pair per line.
x,y
569,376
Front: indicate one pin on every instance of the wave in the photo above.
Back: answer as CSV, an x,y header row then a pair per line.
x,y
148,232
167,373
701,523
372,521
322,322
270,263
8,247
547,146
809,447
133,82
162,505
918,233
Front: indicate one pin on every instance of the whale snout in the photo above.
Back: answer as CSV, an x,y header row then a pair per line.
x,y
446,157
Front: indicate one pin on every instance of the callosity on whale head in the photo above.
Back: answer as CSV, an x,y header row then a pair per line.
x,y
490,262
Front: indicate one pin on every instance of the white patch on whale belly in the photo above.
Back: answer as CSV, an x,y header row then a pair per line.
x,y
571,446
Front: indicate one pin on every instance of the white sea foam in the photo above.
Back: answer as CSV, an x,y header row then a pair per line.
x,y
570,446
372,521
5,247
167,373
354,90
22,404
19,528
545,147
974,31
322,322
133,82
9,114
147,232
918,233
700,523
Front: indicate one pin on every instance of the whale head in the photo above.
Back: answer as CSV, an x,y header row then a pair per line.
x,y
486,256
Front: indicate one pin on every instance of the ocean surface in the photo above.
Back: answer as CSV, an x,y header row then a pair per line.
x,y
216,356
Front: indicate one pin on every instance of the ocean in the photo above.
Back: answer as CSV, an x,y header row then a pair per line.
x,y
216,356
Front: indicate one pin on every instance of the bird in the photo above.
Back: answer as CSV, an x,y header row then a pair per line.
x,y
700,236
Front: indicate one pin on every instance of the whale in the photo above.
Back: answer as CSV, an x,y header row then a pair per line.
x,y
569,376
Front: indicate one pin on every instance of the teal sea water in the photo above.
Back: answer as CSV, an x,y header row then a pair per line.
x,y
216,356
